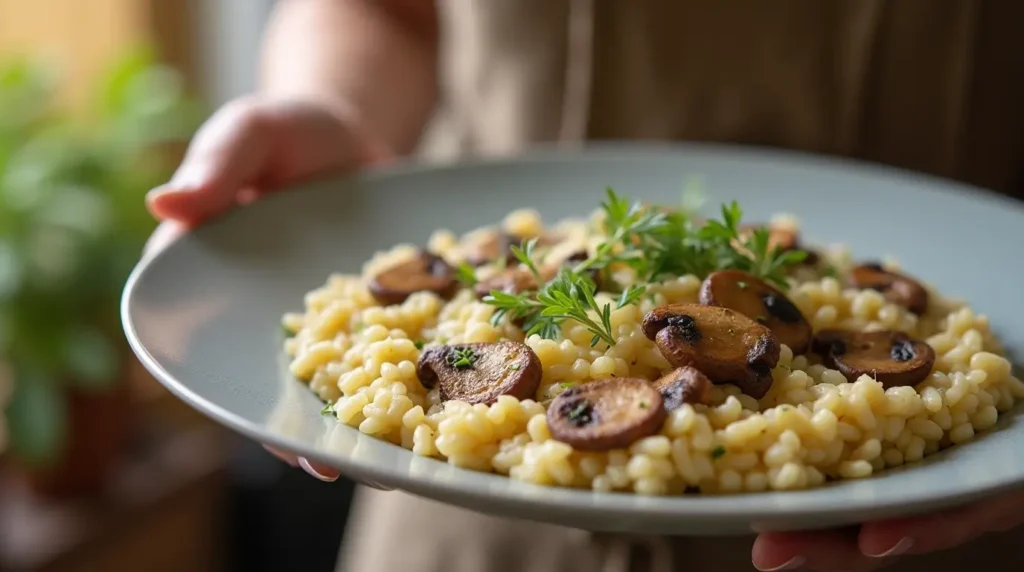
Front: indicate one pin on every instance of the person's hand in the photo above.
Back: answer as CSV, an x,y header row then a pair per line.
x,y
251,147
876,544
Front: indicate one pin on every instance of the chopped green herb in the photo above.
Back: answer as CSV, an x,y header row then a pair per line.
x,y
717,452
462,358
582,413
829,271
420,343
288,332
742,285
466,274
514,367
566,384
656,245
328,409
644,405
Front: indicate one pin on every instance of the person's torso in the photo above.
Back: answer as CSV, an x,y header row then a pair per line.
x,y
931,85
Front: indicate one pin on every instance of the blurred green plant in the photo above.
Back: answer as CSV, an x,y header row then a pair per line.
x,y
72,225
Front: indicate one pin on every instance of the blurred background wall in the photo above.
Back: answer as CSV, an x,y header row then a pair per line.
x,y
177,493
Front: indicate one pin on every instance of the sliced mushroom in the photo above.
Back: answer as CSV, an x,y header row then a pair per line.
x,y
519,278
683,385
426,272
761,302
891,357
724,344
510,281
578,257
495,246
480,373
898,288
606,414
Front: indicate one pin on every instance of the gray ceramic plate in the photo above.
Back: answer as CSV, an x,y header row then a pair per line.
x,y
203,315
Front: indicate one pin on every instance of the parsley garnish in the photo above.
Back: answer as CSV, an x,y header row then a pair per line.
x,y
466,274
514,367
462,358
717,452
419,344
328,409
582,413
656,245
644,405
288,332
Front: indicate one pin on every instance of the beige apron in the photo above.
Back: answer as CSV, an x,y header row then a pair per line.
x,y
931,85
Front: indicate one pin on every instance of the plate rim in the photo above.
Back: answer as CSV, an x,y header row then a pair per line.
x,y
473,486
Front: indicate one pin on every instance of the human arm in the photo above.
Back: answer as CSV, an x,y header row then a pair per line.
x,y
343,83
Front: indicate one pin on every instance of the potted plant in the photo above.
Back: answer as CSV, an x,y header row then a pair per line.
x,y
72,225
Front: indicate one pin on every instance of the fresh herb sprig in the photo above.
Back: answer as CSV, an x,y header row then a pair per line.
x,y
570,295
463,358
653,243
466,274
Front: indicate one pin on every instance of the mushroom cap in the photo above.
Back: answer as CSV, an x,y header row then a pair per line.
x,y
481,372
761,302
725,345
683,385
510,281
893,358
897,288
426,272
495,246
606,414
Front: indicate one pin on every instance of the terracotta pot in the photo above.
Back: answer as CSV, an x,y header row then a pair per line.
x,y
99,425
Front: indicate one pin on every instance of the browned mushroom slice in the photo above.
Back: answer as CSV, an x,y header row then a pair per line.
x,y
495,246
519,278
480,373
759,301
683,385
724,344
898,288
579,257
426,272
892,358
510,281
606,414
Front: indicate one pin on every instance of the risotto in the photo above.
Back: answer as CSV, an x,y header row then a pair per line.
x,y
646,350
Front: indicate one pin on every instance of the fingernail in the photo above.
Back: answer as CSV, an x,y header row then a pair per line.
x,y
793,563
192,176
168,189
897,549
309,469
